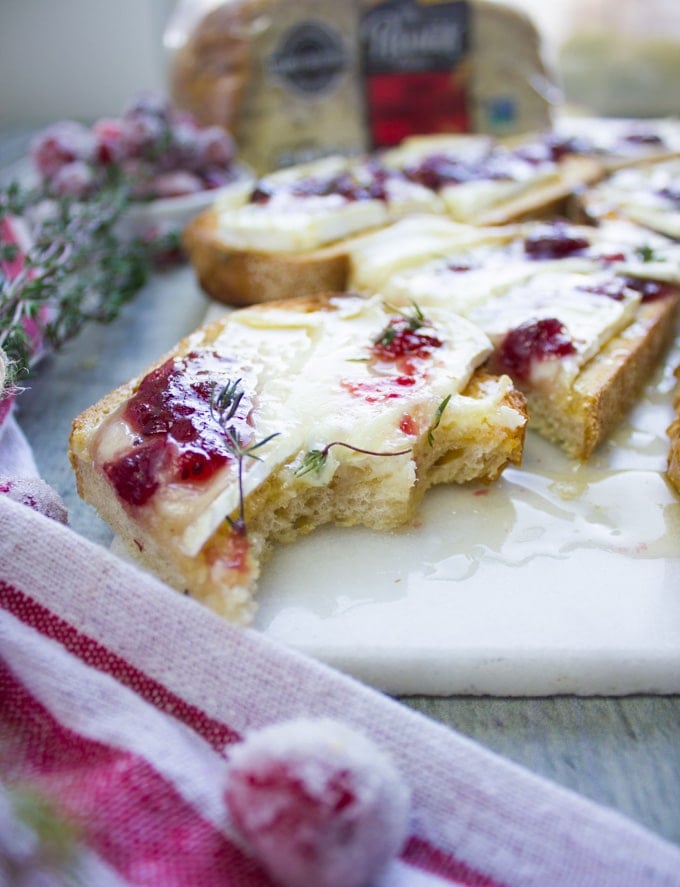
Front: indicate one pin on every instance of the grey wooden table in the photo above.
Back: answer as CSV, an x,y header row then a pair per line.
x,y
621,752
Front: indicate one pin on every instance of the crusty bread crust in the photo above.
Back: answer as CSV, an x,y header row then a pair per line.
x,y
548,199
239,278
474,442
673,466
604,391
246,277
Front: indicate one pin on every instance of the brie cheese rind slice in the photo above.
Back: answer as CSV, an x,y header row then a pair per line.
x,y
648,195
472,175
590,309
618,141
277,418
438,262
315,204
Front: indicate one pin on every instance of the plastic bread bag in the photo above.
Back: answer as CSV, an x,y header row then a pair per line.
x,y
294,80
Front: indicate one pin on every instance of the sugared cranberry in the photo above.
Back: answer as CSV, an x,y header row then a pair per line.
x,y
532,341
175,184
554,240
76,180
316,803
59,144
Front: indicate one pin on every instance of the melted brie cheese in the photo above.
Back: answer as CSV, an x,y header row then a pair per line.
x,y
647,195
376,258
590,318
291,222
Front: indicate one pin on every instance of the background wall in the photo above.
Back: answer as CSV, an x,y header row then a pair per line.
x,y
77,58
85,58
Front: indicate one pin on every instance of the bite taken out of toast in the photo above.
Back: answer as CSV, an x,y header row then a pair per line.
x,y
275,419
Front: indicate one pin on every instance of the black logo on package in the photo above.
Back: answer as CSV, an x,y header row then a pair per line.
x,y
310,58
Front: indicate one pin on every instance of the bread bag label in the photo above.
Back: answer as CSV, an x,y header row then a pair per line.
x,y
296,80
414,58
303,98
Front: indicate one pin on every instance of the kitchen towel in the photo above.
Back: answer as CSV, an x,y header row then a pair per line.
x,y
120,699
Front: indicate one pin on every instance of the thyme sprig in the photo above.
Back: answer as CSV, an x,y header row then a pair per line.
x,y
437,419
315,460
224,405
415,320
647,253
77,269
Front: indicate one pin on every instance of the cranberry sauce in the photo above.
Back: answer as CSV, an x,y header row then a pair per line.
x,y
405,337
651,290
554,240
367,182
535,340
611,288
177,437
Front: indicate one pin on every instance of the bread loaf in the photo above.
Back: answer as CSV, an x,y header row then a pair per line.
x,y
294,80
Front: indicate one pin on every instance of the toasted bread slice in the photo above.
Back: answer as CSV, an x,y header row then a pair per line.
x,y
647,194
278,418
293,236
608,294
583,417
617,142
486,182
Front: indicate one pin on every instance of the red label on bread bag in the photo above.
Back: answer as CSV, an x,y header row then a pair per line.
x,y
413,55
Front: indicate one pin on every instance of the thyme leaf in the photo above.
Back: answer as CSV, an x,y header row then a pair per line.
x,y
415,320
314,460
647,253
437,419
224,404
77,269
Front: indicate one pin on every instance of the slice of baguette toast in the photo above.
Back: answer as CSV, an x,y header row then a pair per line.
x,y
617,142
646,194
673,464
294,235
347,412
518,275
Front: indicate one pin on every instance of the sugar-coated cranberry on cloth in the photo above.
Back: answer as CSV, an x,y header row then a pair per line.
x,y
316,803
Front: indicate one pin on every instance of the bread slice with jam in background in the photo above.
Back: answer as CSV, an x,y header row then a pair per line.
x,y
281,417
646,194
293,235
579,316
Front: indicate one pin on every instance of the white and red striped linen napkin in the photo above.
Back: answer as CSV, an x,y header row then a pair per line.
x,y
119,698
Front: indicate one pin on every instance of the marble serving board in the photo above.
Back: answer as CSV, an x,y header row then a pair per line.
x,y
559,578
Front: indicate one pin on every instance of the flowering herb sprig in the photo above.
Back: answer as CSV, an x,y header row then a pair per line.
x,y
224,405
75,270
315,460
